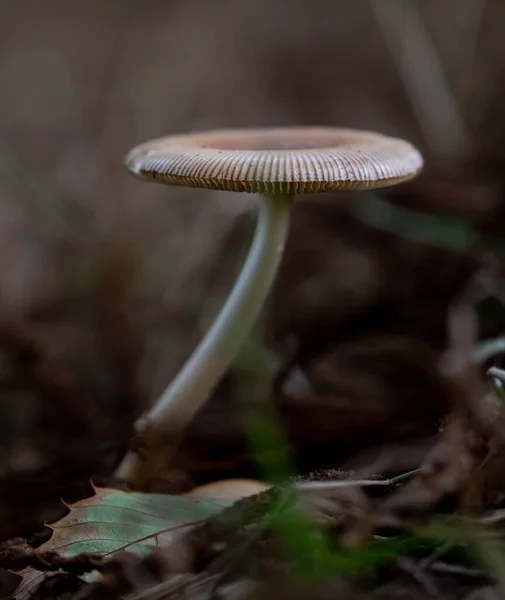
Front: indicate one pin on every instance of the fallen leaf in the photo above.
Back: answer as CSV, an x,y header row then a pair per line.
x,y
228,489
112,521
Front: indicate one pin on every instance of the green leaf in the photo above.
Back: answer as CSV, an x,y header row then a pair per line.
x,y
112,521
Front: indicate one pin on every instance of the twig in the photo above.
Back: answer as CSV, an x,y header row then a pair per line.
x,y
463,322
410,567
496,517
496,373
459,570
487,349
331,485
437,553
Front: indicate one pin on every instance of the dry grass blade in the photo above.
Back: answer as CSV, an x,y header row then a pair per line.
x,y
422,73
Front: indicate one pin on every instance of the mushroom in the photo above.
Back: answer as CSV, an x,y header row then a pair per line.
x,y
276,164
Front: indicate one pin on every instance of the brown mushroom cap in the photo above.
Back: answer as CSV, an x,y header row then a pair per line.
x,y
279,161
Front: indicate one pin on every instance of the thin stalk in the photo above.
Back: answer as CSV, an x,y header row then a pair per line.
x,y
312,486
159,431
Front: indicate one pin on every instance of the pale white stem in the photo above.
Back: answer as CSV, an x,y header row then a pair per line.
x,y
193,384
314,486
206,366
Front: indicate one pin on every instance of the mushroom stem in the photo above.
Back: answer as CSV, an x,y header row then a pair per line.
x,y
159,431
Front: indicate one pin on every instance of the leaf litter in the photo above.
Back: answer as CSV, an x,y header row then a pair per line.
x,y
109,522
437,533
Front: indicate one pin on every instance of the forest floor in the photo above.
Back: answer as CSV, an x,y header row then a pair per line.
x,y
376,426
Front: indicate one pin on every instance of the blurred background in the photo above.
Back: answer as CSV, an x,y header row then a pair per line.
x,y
106,283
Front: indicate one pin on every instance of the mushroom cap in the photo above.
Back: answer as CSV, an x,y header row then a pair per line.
x,y
301,160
